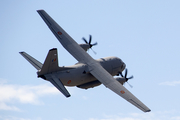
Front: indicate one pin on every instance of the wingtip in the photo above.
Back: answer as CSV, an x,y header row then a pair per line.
x,y
68,96
148,111
39,10
21,52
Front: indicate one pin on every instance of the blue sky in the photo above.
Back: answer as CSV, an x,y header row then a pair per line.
x,y
144,34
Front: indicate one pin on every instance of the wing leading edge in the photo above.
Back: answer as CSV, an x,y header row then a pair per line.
x,y
95,68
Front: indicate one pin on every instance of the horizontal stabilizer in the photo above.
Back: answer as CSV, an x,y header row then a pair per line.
x,y
31,60
57,83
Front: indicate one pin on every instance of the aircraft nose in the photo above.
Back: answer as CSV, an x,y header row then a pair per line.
x,y
123,66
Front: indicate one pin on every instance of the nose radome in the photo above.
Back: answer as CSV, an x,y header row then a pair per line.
x,y
123,66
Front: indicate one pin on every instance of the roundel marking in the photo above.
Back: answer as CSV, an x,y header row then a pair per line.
x,y
122,92
60,33
69,82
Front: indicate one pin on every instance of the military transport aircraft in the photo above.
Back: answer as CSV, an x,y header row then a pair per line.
x,y
87,73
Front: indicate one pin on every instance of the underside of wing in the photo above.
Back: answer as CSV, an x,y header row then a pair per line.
x,y
104,77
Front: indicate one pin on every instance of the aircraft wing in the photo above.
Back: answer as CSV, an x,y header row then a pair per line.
x,y
68,43
94,67
102,75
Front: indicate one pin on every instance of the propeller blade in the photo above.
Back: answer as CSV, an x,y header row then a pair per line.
x,y
85,40
90,37
126,73
130,85
121,74
94,44
93,51
131,77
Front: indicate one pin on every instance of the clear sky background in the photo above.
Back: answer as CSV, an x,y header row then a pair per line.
x,y
144,34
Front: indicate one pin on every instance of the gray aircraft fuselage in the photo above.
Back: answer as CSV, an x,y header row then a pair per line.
x,y
79,74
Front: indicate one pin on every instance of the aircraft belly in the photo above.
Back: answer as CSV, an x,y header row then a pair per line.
x,y
68,78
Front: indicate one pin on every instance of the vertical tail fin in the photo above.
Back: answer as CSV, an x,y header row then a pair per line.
x,y
50,63
31,60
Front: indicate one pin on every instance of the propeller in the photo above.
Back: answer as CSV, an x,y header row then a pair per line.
x,y
125,76
90,39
